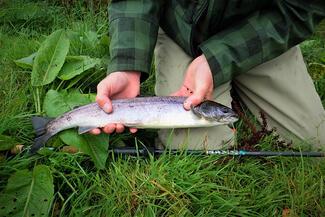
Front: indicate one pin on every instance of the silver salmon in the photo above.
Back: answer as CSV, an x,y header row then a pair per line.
x,y
141,112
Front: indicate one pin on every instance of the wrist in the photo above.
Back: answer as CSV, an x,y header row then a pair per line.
x,y
133,76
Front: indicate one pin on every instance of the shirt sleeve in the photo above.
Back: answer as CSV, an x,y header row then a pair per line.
x,y
133,28
262,36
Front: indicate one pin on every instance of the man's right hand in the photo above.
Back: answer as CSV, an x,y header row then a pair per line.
x,y
117,85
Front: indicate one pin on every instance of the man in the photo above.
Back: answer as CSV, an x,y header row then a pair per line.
x,y
201,46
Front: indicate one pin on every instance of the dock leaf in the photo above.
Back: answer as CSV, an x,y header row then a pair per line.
x,y
50,58
26,62
94,146
57,103
76,65
28,193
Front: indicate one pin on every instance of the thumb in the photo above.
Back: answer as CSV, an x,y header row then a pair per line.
x,y
196,98
104,102
102,98
193,100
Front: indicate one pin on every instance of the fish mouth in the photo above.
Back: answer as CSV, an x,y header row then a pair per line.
x,y
229,119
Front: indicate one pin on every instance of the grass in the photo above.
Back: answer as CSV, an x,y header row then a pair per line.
x,y
182,185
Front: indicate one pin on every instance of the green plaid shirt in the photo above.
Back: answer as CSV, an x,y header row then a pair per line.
x,y
234,35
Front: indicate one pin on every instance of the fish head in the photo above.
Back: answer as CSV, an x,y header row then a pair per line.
x,y
214,111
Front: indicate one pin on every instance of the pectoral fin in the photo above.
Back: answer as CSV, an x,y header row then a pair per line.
x,y
82,130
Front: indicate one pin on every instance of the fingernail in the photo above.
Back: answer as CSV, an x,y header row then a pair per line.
x,y
186,105
106,108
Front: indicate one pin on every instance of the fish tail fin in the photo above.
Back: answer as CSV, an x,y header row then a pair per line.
x,y
39,142
42,136
39,124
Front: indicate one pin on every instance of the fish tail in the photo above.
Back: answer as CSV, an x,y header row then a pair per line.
x,y
39,142
42,136
39,124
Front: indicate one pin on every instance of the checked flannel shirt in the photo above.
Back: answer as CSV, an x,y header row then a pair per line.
x,y
234,35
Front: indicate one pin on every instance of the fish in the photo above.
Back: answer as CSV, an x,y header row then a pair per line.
x,y
140,112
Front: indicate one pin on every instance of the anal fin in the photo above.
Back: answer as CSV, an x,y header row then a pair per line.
x,y
85,129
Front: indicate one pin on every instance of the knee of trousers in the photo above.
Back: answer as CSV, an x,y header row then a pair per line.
x,y
283,89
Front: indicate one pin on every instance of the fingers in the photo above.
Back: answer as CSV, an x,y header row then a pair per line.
x,y
95,131
111,128
133,130
119,128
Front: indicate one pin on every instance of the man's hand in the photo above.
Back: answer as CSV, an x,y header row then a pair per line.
x,y
198,83
116,85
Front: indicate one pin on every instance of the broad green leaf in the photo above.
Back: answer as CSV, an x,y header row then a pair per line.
x,y
26,62
6,142
57,103
28,193
94,146
50,58
75,65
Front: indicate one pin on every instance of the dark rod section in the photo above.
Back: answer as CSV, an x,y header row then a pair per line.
x,y
153,151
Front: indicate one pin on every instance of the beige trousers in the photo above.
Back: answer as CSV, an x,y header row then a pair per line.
x,y
282,88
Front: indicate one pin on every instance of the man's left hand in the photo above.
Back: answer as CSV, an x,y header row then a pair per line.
x,y
198,83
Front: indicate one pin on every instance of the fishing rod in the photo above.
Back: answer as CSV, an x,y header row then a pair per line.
x,y
132,151
153,151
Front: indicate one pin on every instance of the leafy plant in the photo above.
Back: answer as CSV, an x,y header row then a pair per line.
x,y
94,146
57,103
50,58
48,64
26,62
75,65
28,193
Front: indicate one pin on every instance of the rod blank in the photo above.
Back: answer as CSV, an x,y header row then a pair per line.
x,y
153,151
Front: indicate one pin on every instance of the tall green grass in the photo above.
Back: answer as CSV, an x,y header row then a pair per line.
x,y
182,185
